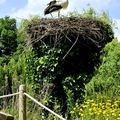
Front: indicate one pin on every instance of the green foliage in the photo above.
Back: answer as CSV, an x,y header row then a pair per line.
x,y
24,24
74,87
106,80
8,35
90,12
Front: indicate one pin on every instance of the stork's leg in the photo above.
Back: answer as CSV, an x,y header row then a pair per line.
x,y
51,15
58,13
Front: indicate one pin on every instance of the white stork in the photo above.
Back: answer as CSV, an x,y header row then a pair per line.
x,y
56,6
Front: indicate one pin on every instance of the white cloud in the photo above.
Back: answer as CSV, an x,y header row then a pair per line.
x,y
2,1
117,30
96,4
99,3
33,7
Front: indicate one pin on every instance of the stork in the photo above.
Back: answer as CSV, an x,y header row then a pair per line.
x,y
56,6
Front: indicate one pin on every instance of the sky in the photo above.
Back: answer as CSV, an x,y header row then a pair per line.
x,y
21,9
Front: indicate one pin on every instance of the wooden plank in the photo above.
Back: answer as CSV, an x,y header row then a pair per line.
x,y
22,103
5,116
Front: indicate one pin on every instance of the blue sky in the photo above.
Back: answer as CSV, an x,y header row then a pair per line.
x,y
25,8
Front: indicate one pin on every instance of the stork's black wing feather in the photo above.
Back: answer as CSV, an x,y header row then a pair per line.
x,y
52,8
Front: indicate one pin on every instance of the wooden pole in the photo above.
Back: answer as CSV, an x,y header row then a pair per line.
x,y
22,103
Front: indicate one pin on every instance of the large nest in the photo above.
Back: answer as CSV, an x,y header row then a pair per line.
x,y
85,31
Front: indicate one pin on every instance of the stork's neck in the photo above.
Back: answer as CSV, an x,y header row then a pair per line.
x,y
64,4
65,1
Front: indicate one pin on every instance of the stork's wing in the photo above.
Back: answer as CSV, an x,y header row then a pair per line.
x,y
52,8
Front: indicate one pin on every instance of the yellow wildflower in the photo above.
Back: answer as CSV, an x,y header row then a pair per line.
x,y
104,112
81,110
114,114
108,104
72,112
81,115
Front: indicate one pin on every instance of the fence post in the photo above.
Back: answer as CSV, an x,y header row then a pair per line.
x,y
22,103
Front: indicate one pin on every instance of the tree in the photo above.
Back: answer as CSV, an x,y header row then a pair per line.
x,y
8,35
106,80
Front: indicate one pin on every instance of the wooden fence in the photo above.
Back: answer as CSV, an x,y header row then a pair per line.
x,y
22,103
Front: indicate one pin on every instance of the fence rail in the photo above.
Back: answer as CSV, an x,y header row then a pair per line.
x,y
44,106
9,95
22,103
